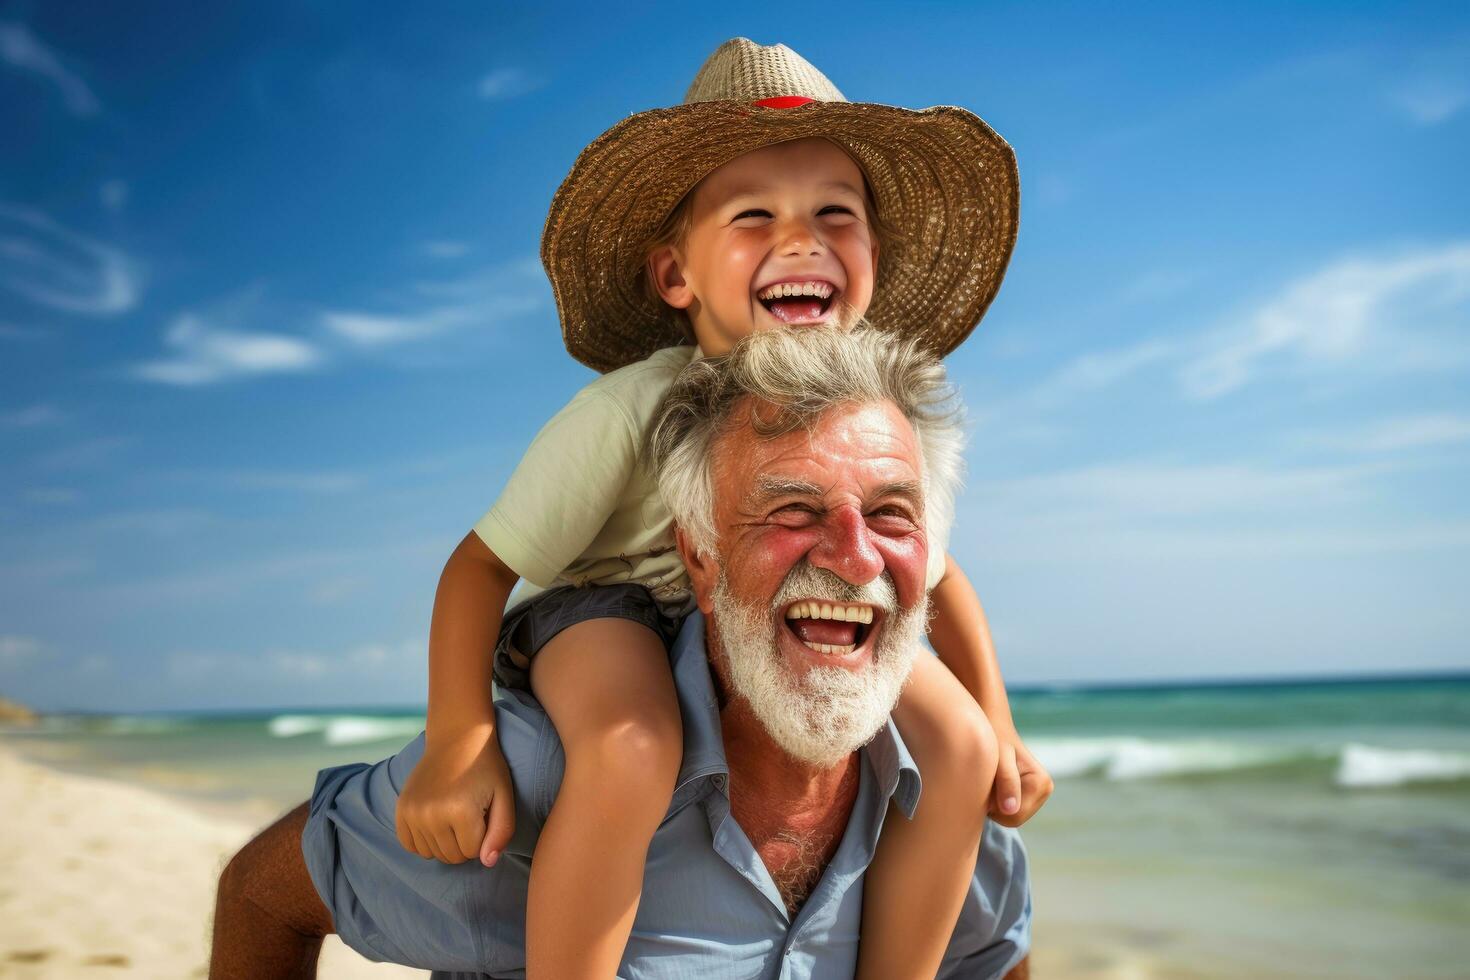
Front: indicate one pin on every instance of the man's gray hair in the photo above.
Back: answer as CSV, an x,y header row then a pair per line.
x,y
802,373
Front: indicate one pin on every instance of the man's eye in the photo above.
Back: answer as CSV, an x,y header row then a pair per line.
x,y
891,516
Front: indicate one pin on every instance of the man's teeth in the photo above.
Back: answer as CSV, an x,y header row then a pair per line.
x,y
821,290
829,610
841,648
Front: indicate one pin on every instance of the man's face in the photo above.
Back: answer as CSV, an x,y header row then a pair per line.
x,y
778,236
817,598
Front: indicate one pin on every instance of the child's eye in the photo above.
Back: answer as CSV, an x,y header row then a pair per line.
x,y
753,213
835,209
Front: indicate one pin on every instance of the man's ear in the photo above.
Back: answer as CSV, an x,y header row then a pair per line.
x,y
666,272
704,571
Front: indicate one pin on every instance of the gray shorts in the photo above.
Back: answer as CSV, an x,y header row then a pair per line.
x,y
530,625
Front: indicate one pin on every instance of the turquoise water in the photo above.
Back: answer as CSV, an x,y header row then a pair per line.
x,y
1307,829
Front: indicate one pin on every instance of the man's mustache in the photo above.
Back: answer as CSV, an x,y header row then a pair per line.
x,y
807,581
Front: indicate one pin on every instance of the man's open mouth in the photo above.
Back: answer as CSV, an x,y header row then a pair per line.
x,y
833,628
798,302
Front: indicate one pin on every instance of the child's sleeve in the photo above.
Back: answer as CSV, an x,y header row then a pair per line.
x,y
564,489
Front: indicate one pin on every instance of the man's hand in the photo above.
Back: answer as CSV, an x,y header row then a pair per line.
x,y
1022,785
458,801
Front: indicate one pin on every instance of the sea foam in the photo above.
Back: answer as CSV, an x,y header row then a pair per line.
x,y
1367,765
345,729
1349,765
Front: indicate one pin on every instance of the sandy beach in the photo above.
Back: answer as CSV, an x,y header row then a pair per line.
x,y
109,880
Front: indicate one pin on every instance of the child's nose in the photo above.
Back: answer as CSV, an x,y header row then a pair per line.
x,y
846,547
800,238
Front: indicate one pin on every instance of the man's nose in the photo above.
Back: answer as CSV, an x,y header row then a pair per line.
x,y
846,547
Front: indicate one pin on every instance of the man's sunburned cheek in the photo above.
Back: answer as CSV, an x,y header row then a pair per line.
x,y
906,559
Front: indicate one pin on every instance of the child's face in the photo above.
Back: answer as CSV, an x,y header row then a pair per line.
x,y
793,215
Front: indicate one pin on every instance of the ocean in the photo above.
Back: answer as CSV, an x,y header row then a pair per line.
x,y
1305,829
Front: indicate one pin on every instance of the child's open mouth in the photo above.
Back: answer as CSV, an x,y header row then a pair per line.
x,y
798,302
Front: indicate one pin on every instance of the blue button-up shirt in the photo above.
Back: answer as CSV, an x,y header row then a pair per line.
x,y
709,909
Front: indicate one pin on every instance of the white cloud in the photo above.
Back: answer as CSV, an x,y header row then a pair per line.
x,y
293,665
376,329
14,649
22,50
1101,369
481,299
445,249
1149,489
9,331
166,522
1144,511
206,354
60,269
1391,435
1431,103
232,581
1434,85
1354,307
53,495
506,83
19,573
31,417
114,194
323,482
83,455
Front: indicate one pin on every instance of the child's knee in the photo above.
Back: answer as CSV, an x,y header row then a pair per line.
x,y
963,771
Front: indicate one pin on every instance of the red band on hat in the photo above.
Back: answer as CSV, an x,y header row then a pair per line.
x,y
783,102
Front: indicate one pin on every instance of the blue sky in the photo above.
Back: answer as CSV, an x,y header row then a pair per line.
x,y
273,330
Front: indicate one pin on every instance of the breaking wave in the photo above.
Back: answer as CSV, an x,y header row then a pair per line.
x,y
1349,765
345,729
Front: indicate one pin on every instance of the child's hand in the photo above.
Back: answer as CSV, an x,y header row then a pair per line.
x,y
458,801
1022,785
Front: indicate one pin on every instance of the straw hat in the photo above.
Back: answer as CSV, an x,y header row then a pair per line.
x,y
943,181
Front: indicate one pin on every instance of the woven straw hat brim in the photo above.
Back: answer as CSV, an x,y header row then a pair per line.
x,y
944,182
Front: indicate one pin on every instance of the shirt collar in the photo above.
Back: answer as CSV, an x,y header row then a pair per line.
x,y
704,745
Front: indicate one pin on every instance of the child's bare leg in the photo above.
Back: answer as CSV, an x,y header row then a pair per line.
x,y
607,686
916,885
268,920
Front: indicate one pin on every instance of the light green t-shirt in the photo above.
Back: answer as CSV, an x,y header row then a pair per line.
x,y
582,508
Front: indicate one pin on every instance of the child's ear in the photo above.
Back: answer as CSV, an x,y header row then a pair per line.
x,y
665,270
704,570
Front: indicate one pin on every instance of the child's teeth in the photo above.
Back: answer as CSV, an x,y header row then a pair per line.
x,y
820,290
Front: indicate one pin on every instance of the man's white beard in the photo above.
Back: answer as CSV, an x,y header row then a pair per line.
x,y
827,712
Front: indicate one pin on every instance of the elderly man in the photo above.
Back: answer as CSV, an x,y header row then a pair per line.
x,y
802,471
